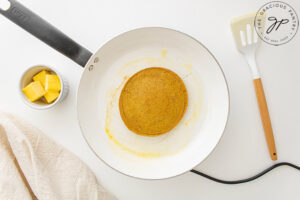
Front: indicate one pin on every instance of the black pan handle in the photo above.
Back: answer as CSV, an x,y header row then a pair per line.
x,y
41,29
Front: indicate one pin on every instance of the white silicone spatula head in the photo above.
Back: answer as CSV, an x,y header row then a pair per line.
x,y
246,38
244,33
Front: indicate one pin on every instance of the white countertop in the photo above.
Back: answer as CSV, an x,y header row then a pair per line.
x,y
242,151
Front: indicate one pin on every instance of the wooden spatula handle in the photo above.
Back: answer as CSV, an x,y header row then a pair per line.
x,y
265,117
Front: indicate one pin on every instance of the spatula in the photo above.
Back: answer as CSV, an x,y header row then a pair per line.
x,y
247,40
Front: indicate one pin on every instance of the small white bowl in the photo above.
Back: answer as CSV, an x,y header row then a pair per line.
x,y
26,78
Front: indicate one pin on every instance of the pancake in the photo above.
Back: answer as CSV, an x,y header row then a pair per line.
x,y
153,101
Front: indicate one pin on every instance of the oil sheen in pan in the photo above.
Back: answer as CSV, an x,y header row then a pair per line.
x,y
123,141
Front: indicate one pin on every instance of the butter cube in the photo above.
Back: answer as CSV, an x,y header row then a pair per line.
x,y
52,83
41,77
34,91
50,96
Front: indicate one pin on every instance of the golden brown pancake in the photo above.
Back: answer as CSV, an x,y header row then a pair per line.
x,y
153,101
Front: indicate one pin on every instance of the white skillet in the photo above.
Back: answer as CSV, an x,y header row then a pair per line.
x,y
106,71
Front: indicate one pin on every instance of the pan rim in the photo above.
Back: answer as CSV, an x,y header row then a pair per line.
x,y
228,99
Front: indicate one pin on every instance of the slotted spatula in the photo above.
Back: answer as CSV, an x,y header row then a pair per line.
x,y
247,40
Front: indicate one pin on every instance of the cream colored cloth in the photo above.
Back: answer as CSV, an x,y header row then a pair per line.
x,y
34,167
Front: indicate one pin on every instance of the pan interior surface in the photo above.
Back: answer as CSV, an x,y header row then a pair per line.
x,y
165,155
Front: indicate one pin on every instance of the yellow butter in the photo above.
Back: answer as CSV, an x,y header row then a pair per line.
x,y
50,96
41,77
34,91
52,83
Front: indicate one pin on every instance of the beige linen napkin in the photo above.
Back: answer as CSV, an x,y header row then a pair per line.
x,y
34,167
